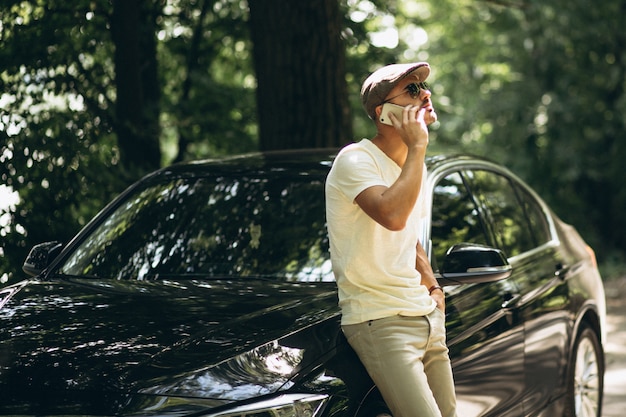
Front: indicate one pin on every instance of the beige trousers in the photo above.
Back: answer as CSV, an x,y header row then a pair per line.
x,y
407,358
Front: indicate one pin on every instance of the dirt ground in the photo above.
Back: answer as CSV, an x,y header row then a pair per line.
x,y
615,349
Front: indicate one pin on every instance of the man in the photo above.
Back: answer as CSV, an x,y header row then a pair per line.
x,y
392,308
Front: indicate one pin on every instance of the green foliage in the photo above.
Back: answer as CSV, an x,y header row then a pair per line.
x,y
54,126
544,83
577,67
207,78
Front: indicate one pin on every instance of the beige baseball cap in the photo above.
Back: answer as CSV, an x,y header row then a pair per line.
x,y
378,85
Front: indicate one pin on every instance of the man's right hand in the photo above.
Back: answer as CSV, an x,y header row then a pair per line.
x,y
413,127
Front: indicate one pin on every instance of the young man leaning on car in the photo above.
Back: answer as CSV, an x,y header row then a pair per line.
x,y
392,308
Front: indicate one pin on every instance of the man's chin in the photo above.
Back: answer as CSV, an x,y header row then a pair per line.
x,y
431,117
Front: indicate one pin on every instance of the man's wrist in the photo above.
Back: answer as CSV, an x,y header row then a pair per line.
x,y
434,288
418,148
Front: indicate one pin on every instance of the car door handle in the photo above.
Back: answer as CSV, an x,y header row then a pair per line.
x,y
509,300
509,306
561,271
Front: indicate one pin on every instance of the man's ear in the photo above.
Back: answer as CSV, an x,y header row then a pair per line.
x,y
378,109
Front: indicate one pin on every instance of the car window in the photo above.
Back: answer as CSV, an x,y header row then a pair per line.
x,y
504,210
261,226
536,216
455,217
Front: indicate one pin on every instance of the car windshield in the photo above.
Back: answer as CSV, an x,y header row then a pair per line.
x,y
264,226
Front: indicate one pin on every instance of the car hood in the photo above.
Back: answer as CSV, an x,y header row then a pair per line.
x,y
223,340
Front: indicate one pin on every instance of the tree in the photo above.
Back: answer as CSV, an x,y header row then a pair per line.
x,y
56,142
207,78
299,58
70,116
137,105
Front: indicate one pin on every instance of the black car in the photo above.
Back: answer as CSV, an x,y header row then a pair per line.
x,y
206,289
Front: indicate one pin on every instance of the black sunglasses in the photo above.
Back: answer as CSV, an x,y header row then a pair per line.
x,y
413,89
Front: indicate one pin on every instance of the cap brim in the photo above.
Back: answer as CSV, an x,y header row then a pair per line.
x,y
420,71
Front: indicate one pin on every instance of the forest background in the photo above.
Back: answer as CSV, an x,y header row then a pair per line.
x,y
96,93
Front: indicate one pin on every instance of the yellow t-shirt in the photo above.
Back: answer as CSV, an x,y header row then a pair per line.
x,y
374,267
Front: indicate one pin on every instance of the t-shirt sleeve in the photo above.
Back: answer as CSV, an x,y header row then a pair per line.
x,y
354,171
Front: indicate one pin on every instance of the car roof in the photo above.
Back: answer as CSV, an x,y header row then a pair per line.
x,y
304,161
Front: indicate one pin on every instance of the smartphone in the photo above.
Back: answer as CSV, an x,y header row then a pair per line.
x,y
393,108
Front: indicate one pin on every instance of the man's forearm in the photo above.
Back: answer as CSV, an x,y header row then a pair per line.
x,y
422,265
428,279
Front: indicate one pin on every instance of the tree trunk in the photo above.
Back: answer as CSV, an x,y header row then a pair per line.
x,y
191,66
299,60
137,86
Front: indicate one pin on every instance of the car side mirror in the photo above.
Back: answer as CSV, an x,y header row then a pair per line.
x,y
40,257
472,263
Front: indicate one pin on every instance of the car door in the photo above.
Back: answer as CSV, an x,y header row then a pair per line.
x,y
522,230
485,337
